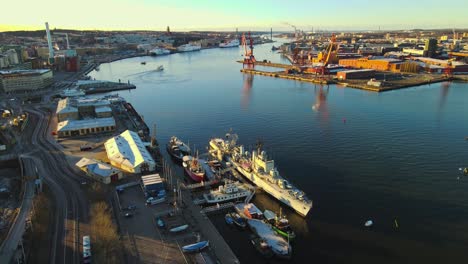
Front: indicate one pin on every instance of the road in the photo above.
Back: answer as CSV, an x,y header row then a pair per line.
x,y
42,156
71,204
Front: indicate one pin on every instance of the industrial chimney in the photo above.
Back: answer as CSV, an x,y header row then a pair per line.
x,y
49,43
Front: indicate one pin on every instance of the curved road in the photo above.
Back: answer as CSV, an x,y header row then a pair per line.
x,y
71,204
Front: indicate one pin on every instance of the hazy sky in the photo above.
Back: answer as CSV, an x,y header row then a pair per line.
x,y
227,15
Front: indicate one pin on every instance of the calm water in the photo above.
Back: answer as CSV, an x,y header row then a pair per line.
x,y
358,155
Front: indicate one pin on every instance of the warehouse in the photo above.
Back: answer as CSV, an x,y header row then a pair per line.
x,y
381,64
69,128
99,171
128,152
66,111
355,74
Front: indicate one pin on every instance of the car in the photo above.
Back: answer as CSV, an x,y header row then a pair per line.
x,y
85,148
120,190
128,215
131,207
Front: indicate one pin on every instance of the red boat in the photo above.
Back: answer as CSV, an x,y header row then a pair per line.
x,y
193,168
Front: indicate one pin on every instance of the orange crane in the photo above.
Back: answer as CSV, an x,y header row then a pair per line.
x,y
249,58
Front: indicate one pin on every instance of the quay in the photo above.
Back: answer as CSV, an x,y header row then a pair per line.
x,y
415,80
283,75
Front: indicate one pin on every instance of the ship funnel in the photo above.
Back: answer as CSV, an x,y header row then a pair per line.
x,y
49,43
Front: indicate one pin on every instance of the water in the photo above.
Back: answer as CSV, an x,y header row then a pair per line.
x,y
359,155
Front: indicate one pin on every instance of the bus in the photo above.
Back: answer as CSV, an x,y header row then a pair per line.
x,y
86,249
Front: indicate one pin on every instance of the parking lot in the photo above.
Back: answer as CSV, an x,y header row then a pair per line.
x,y
144,241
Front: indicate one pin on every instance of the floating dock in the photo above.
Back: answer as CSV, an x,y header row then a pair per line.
x,y
283,75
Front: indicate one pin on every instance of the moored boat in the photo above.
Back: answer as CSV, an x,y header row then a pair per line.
x,y
159,51
177,229
249,210
193,168
278,245
230,43
227,192
177,149
229,220
261,246
238,220
195,247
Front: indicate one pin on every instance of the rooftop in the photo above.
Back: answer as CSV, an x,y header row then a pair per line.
x,y
64,107
97,168
128,149
24,72
71,125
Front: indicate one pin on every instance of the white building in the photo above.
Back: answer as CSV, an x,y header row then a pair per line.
x,y
128,152
100,171
25,80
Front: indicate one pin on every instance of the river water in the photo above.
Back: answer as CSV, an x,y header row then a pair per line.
x,y
359,155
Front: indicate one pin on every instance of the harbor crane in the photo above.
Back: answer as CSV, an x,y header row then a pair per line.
x,y
66,37
249,58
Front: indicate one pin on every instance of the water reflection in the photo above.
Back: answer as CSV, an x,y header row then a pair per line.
x,y
246,89
444,89
320,104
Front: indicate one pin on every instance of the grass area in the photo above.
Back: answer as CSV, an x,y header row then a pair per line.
x,y
38,238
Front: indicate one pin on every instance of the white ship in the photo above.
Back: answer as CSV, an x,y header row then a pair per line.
x,y
261,171
159,51
230,43
227,192
189,47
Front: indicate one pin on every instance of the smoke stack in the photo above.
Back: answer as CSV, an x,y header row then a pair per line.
x,y
68,43
49,43
271,33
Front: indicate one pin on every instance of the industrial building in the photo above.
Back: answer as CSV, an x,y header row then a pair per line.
x,y
381,64
355,74
66,111
25,80
83,127
99,171
128,152
73,109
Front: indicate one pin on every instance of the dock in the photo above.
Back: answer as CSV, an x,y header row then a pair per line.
x,y
215,208
218,245
296,77
198,185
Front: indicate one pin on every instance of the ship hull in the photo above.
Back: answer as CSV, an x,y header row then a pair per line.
x,y
197,177
300,209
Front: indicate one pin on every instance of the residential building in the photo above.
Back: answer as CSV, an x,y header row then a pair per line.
x,y
25,80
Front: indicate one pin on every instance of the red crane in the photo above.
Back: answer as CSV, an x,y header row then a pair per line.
x,y
249,58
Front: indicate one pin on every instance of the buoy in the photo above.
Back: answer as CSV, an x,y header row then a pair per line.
x,y
344,120
396,223
369,223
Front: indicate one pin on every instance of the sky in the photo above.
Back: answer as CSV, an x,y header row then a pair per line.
x,y
185,15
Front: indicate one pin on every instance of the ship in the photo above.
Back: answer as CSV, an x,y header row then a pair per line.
x,y
177,149
278,245
227,192
189,47
261,171
193,168
230,43
159,51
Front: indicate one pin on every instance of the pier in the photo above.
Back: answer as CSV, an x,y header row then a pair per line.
x,y
283,75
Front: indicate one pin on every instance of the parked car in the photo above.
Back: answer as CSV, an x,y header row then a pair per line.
x,y
128,214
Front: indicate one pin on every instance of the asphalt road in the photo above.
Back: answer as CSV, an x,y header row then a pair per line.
x,y
70,203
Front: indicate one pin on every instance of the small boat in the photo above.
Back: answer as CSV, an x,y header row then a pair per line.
x,y
279,246
238,220
196,247
368,223
261,245
281,226
177,149
143,63
229,220
178,229
160,223
160,68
